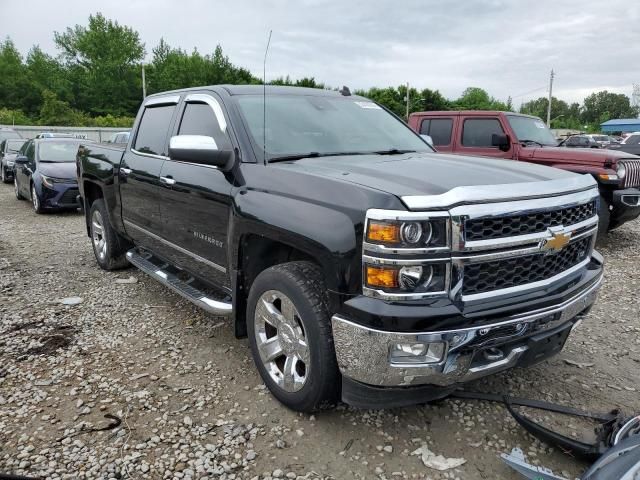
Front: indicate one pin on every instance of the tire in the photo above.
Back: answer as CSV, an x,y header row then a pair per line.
x,y
16,189
109,247
3,174
312,379
35,200
604,218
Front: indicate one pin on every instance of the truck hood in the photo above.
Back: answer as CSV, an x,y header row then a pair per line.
x,y
66,170
582,156
423,173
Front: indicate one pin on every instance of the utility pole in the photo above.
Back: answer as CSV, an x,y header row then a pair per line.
x,y
550,96
407,101
144,84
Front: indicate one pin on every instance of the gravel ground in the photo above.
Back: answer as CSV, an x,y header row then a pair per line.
x,y
191,404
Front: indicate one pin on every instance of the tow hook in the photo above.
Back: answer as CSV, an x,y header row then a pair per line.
x,y
493,354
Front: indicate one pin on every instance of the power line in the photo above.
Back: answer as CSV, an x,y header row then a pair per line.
x,y
529,92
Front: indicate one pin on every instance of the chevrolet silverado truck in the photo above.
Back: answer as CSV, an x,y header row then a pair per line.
x,y
512,136
361,264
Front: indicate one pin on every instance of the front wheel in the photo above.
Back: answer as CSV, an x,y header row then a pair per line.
x,y
109,248
3,174
290,336
35,200
16,188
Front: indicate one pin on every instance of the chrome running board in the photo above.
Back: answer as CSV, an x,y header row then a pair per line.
x,y
181,287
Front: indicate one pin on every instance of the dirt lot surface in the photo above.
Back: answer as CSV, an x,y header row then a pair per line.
x,y
189,403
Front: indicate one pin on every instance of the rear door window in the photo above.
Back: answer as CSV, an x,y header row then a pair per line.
x,y
477,132
439,129
152,133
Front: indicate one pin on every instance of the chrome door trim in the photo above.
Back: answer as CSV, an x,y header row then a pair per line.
x,y
500,193
150,155
195,256
213,103
162,100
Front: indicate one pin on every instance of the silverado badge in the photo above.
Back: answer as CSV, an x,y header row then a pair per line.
x,y
557,242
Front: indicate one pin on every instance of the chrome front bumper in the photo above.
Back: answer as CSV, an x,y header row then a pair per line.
x,y
363,353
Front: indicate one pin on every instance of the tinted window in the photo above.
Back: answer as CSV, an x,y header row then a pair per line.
x,y
30,151
199,119
152,133
440,131
477,132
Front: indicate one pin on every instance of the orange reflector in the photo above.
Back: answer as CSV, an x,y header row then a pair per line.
x,y
382,277
384,232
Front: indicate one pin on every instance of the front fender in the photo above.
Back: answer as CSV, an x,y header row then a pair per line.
x,y
327,234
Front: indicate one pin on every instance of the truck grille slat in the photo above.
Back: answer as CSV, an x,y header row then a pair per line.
x,y
516,271
509,226
632,178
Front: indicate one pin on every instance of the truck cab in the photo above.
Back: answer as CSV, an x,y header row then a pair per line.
x,y
513,136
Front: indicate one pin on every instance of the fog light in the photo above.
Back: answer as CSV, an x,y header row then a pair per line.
x,y
417,352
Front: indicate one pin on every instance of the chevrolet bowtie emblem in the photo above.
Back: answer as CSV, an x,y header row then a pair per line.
x,y
557,242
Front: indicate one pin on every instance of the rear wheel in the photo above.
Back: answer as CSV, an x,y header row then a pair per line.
x,y
16,188
109,248
290,336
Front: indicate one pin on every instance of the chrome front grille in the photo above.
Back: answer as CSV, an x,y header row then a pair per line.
x,y
533,222
518,271
632,178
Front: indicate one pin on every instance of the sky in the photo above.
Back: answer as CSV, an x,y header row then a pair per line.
x,y
507,47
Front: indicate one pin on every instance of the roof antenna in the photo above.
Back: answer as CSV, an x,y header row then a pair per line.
x,y
264,99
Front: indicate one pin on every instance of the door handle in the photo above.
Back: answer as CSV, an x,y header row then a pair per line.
x,y
125,171
167,180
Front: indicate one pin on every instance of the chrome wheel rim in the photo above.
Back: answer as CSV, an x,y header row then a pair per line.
x,y
4,176
15,187
97,235
282,341
34,198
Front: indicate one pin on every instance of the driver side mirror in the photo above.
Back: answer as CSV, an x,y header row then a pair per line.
x,y
201,149
21,160
501,141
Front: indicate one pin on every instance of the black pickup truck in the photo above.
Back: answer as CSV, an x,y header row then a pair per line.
x,y
362,265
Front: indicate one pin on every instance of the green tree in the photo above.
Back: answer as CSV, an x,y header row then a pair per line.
x,y
474,98
602,106
103,60
58,112
14,85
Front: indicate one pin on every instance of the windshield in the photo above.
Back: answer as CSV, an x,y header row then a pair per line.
x,y
13,146
299,124
534,129
58,151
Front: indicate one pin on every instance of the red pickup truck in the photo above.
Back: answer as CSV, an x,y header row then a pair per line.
x,y
513,136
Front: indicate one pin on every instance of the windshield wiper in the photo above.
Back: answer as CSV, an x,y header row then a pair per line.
x,y
393,151
533,141
300,156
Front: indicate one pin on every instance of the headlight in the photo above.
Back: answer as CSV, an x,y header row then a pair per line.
x,y
409,234
46,181
407,279
10,163
621,170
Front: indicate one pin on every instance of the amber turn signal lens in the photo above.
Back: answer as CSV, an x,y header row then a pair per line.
x,y
383,232
382,277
